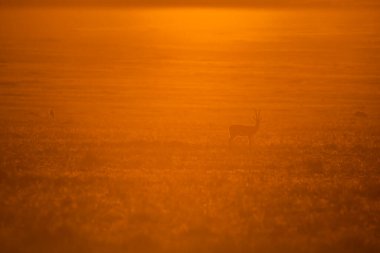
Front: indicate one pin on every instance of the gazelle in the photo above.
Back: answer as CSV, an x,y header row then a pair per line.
x,y
245,131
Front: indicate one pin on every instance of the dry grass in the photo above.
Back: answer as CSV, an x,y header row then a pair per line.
x,y
62,190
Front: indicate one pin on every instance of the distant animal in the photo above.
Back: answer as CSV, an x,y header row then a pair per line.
x,y
245,130
51,113
360,114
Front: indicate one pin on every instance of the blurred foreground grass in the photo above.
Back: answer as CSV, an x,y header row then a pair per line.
x,y
78,190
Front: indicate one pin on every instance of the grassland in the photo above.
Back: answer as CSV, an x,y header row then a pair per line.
x,y
135,158
86,189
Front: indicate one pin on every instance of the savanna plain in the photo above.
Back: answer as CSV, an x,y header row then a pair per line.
x,y
114,130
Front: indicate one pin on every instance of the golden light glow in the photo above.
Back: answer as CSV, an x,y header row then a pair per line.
x,y
115,126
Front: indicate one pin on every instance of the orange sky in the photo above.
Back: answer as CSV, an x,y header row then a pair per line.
x,y
271,3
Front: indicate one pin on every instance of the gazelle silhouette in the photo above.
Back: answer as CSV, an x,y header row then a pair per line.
x,y
245,131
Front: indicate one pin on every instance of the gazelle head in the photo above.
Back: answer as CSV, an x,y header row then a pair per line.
x,y
257,117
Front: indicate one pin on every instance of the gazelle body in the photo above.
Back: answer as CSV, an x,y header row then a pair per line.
x,y
245,130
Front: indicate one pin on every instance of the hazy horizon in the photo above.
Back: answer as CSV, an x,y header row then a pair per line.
x,y
192,3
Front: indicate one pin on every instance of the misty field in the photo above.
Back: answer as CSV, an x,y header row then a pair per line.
x,y
67,189
114,131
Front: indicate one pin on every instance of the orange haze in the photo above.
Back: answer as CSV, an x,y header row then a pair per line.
x,y
138,130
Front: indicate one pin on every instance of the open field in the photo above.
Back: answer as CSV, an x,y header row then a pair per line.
x,y
67,189
135,157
